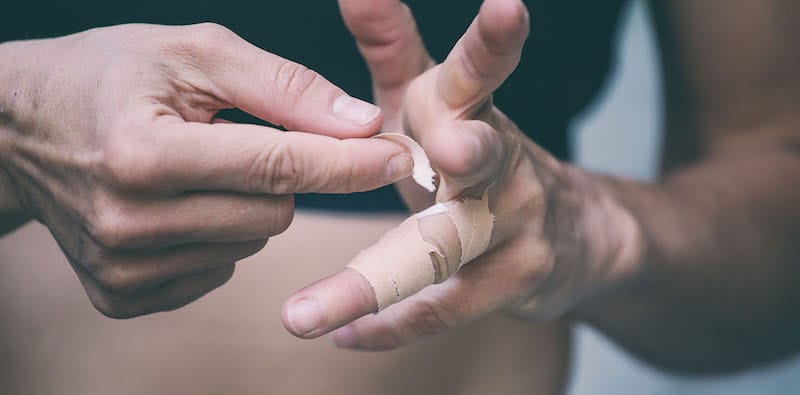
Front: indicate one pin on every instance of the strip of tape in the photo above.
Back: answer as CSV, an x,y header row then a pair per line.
x,y
405,260
422,173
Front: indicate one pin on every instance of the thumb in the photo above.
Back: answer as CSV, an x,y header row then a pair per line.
x,y
281,91
470,154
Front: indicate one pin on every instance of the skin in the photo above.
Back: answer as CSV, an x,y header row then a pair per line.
x,y
152,199
717,288
696,272
101,147
54,342
447,108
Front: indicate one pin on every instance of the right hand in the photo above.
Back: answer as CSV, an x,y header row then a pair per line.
x,y
110,140
555,235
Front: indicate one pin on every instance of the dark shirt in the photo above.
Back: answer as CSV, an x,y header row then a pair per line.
x,y
564,64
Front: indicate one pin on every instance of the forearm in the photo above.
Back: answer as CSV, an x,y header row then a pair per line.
x,y
716,284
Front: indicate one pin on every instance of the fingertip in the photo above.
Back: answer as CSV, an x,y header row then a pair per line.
x,y
486,55
328,304
504,23
303,317
379,162
400,166
362,119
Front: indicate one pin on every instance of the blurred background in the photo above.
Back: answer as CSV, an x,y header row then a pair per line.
x,y
620,134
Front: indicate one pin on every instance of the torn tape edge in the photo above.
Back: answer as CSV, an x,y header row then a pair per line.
x,y
422,173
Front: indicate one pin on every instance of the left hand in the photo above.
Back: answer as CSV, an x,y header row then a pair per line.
x,y
552,242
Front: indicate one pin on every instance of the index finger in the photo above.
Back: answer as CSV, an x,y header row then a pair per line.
x,y
485,55
273,88
257,159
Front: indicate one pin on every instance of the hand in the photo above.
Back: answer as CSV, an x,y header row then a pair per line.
x,y
549,247
116,149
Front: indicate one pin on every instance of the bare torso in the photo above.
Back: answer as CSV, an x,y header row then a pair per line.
x,y
232,341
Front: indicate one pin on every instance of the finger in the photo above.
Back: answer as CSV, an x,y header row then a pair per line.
x,y
254,159
194,217
346,296
378,276
495,281
137,272
472,293
400,264
388,39
467,153
422,250
182,291
169,296
281,91
220,120
485,55
328,304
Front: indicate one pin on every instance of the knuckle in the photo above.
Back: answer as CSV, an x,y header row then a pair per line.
x,y
211,34
429,317
111,308
534,274
110,225
116,307
119,280
222,275
198,44
539,267
343,173
254,247
295,81
127,164
340,172
473,68
241,250
276,170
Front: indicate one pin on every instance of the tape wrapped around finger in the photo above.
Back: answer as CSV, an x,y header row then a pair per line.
x,y
427,247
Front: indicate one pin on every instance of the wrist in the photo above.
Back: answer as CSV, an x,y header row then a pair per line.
x,y
609,242
23,73
17,61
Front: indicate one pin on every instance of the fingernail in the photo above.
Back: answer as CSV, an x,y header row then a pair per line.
x,y
305,316
345,337
355,111
398,168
